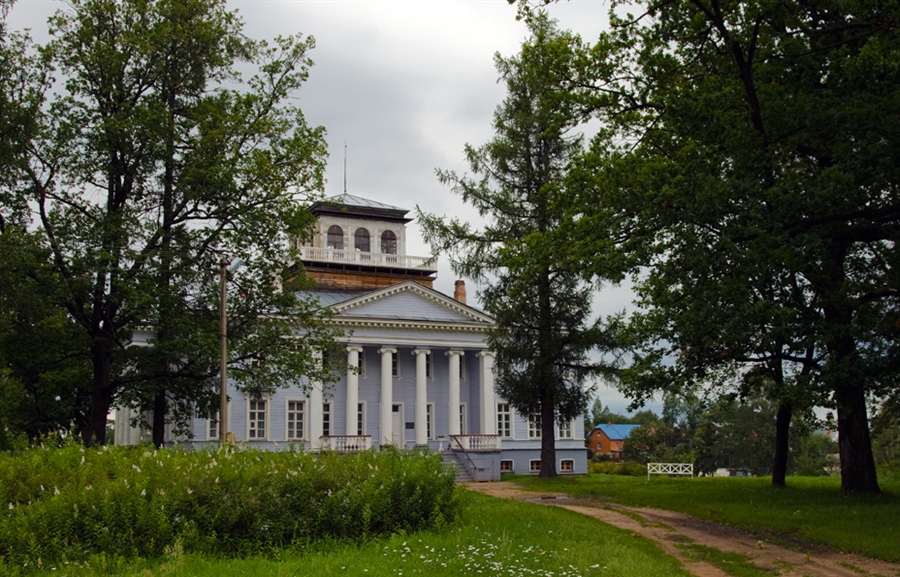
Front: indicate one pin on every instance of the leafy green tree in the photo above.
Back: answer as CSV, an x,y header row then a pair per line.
x,y
540,302
658,444
645,417
736,433
43,360
816,455
886,432
747,169
598,414
144,170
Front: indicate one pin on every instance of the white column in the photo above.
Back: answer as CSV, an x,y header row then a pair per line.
x,y
387,396
352,389
421,396
314,410
488,404
453,401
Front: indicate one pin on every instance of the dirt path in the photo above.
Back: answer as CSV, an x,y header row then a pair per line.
x,y
669,529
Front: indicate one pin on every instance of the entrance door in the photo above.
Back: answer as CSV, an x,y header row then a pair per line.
x,y
398,435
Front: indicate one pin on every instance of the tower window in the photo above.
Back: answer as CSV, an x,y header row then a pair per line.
x,y
336,237
388,242
361,240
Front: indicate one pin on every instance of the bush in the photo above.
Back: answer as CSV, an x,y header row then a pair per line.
x,y
630,468
73,502
889,471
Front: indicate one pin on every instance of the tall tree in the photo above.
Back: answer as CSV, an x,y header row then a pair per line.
x,y
145,170
597,414
750,165
541,304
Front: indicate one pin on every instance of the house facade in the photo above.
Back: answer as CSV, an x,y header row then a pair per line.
x,y
609,440
424,378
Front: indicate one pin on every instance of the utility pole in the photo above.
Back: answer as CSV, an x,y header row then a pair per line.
x,y
223,351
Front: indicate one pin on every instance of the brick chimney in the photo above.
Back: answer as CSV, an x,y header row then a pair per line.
x,y
459,292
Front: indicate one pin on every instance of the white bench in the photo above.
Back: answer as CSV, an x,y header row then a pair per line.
x,y
670,469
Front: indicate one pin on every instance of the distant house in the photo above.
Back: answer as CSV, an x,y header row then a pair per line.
x,y
609,439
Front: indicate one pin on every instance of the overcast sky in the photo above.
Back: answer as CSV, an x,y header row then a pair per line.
x,y
406,84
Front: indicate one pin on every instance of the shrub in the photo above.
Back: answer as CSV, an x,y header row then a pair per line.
x,y
630,468
73,502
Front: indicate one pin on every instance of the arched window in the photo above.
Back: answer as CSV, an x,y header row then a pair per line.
x,y
361,240
388,242
336,237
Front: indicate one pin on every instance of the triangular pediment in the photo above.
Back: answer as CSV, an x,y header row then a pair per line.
x,y
410,301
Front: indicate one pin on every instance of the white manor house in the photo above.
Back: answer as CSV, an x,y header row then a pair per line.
x,y
425,378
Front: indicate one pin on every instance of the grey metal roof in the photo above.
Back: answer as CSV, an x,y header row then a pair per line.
x,y
329,298
350,200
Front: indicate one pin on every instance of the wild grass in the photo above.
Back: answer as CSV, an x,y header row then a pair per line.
x,y
809,509
493,537
75,504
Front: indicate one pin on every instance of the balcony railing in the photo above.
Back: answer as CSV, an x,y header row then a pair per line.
x,y
475,442
346,443
357,257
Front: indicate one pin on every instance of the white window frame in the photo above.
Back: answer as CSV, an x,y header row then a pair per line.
x,y
331,238
534,426
395,364
534,466
429,420
300,434
386,245
327,425
567,465
463,419
361,418
212,427
356,239
565,430
462,366
507,466
361,366
253,432
429,366
505,417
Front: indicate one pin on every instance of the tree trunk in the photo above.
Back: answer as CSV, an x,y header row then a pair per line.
x,y
858,474
159,419
782,429
94,432
548,440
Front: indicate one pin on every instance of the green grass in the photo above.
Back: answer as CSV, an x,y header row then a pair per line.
x,y
494,537
809,509
731,563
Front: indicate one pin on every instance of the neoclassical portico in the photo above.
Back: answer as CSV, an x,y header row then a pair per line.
x,y
425,386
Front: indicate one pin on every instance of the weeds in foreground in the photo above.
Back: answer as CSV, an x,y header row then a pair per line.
x,y
94,506
493,537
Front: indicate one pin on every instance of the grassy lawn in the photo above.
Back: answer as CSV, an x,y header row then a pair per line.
x,y
810,509
495,537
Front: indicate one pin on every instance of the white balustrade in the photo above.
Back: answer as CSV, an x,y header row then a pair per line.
x,y
346,443
367,258
475,442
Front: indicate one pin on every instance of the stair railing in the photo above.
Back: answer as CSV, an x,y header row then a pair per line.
x,y
457,440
